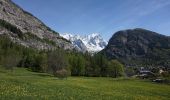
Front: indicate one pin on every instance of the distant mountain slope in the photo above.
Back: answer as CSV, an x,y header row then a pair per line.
x,y
34,33
91,43
139,47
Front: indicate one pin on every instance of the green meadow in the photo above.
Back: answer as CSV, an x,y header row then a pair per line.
x,y
21,84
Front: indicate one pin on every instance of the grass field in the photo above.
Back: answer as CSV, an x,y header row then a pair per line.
x,y
21,84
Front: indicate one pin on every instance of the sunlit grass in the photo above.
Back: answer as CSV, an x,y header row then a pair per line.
x,y
23,84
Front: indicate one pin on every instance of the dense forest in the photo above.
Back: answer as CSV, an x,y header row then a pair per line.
x,y
58,62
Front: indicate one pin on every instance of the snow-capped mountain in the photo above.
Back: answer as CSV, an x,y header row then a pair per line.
x,y
91,43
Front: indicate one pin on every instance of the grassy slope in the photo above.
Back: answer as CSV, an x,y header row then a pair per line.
x,y
22,84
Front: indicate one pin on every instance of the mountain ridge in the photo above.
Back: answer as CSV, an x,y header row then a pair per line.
x,y
139,47
14,16
92,43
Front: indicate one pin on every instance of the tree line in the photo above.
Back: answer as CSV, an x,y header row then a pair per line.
x,y
58,62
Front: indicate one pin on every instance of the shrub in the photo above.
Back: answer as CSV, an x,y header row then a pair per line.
x,y
63,73
115,69
165,74
57,62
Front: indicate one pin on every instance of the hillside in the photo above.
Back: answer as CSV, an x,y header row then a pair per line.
x,y
139,47
23,28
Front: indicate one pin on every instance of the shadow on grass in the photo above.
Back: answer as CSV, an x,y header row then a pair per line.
x,y
42,74
2,71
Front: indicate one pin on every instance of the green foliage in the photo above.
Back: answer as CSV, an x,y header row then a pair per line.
x,y
10,54
77,63
57,62
39,63
102,63
130,71
43,61
115,69
10,59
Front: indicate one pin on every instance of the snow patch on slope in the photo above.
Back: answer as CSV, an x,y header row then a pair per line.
x,y
91,43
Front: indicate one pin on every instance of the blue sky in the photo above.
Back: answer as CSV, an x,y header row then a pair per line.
x,y
100,16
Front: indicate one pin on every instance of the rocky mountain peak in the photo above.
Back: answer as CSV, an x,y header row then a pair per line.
x,y
138,45
25,22
91,43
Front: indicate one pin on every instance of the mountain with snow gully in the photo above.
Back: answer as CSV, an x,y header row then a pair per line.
x,y
92,43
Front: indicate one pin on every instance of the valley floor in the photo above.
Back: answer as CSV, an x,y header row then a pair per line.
x,y
21,84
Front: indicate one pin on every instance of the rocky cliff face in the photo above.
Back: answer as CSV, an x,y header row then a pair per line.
x,y
27,23
139,47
